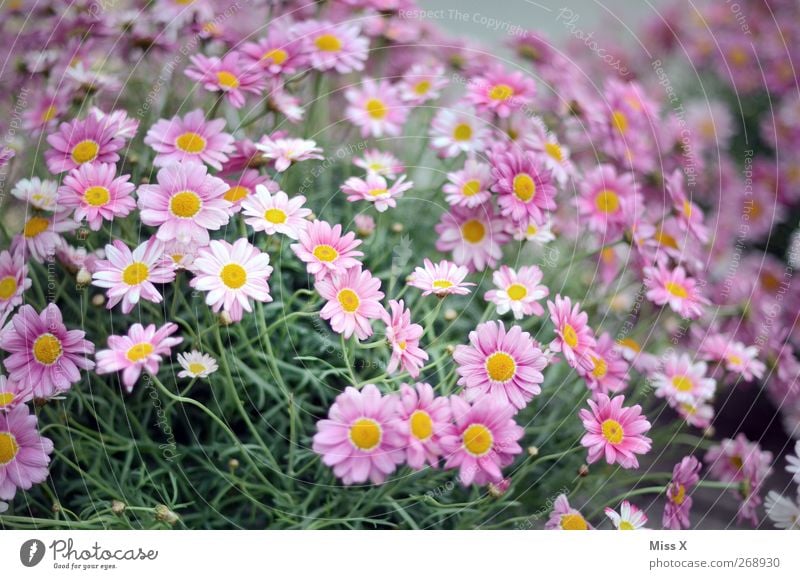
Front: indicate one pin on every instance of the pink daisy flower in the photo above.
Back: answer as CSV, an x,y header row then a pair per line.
x,y
696,413
243,187
526,190
191,138
275,213
422,83
483,439
284,152
24,453
501,92
554,156
13,394
232,275
14,281
609,371
353,300
470,186
565,518
689,214
614,431
96,194
41,235
629,518
441,279
333,46
186,203
37,193
277,54
518,292
574,338
124,126
676,289
685,475
376,108
375,190
681,381
325,250
43,354
475,237
141,349
380,163
506,365
365,224
403,337
607,201
362,438
425,418
456,131
229,75
83,141
130,275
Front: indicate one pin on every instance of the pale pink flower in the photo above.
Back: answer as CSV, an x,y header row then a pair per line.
x,y
456,131
333,46
230,75
41,235
353,300
14,281
190,138
422,83
470,186
565,518
96,194
681,381
275,213
284,152
474,236
375,190
676,289
501,92
441,279
518,292
614,431
425,418
574,338
403,337
629,518
325,250
380,163
376,108
83,141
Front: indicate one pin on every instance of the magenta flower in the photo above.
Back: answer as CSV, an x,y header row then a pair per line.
x,y
614,431
376,108
277,54
96,194
362,438
41,235
191,138
185,204
403,337
12,394
232,275
629,518
332,46
353,300
43,354
141,349
229,75
474,236
501,92
525,189
679,500
14,281
518,292
681,381
609,371
425,419
276,213
483,439
325,251
130,275
676,289
574,338
565,518
375,190
24,453
507,365
441,279
83,141
608,201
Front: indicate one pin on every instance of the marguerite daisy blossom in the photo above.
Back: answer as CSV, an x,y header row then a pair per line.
x,y
425,418
97,194
325,250
474,236
518,291
190,138
440,279
504,364
574,338
375,190
456,131
676,289
614,431
379,162
629,518
41,235
196,365
275,213
525,188
285,151
13,394
783,512
24,453
14,281
83,141
232,274
501,92
681,381
38,193
470,186
376,108
685,475
353,300
403,337
565,518
230,75
333,46
130,275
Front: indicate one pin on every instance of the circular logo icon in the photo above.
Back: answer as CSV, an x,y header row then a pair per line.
x,y
31,553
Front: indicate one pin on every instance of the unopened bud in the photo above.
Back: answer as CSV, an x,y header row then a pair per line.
x,y
450,314
225,319
83,277
397,227
450,349
583,470
165,515
233,464
118,507
533,451
98,300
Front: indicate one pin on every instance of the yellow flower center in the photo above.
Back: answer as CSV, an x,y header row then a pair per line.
x,y
500,367
135,273
554,150
733,359
233,275
190,142
573,522
612,431
140,351
348,299
6,398
49,114
569,335
473,231
227,79
328,43
737,462
676,289
365,434
185,204
96,196
442,283
471,187
85,151
631,344
687,209
35,226
620,121
277,216
600,368
517,291
607,201
377,192
276,55
197,368
325,253
532,230
680,495
421,425
8,287
376,109
236,193
682,383
477,439
665,239
501,92
524,187
626,526
422,87
462,132
8,447
47,349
